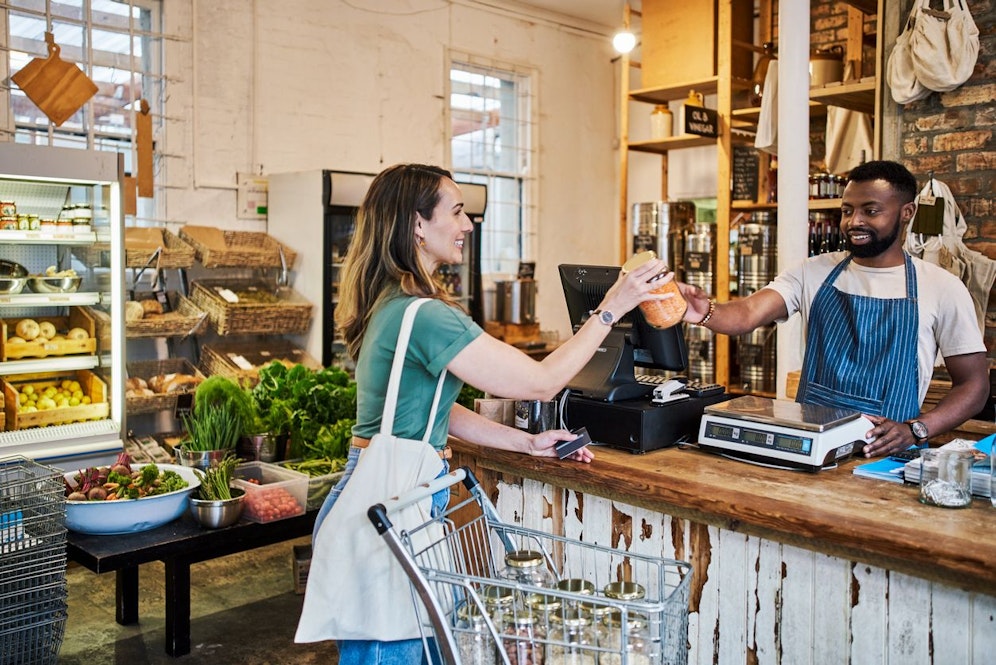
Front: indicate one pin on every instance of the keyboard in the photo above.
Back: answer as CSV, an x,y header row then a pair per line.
x,y
692,387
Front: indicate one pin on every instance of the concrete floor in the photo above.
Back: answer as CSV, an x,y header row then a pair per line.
x,y
243,610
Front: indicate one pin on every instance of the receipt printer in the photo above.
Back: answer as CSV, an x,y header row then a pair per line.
x,y
639,425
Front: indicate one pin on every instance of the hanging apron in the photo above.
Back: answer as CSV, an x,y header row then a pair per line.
x,y
861,352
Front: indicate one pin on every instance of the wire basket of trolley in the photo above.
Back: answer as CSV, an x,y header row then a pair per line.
x,y
487,592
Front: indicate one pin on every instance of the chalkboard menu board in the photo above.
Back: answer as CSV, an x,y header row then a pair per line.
x,y
745,167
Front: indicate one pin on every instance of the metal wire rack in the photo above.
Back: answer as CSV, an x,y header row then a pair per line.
x,y
590,604
32,562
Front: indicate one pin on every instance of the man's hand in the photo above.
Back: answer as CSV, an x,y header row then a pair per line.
x,y
888,437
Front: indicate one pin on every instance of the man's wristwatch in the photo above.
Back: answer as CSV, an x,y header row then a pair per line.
x,y
919,430
605,316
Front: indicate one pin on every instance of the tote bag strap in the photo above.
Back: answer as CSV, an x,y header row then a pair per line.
x,y
394,383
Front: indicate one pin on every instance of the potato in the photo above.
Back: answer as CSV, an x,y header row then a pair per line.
x,y
78,334
27,329
46,329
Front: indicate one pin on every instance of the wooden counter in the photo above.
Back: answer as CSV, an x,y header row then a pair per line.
x,y
832,511
786,564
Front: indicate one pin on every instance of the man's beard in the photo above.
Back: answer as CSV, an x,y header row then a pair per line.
x,y
876,246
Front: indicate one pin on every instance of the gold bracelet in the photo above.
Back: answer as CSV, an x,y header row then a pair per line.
x,y
712,310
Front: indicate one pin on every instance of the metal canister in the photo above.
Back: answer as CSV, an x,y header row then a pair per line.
x,y
700,256
756,355
662,227
701,353
756,253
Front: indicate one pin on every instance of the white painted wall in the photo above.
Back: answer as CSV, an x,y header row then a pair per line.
x,y
269,87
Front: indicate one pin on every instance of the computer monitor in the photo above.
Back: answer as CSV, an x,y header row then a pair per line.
x,y
632,342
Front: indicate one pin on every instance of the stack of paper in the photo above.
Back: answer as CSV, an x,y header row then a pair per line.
x,y
980,470
886,468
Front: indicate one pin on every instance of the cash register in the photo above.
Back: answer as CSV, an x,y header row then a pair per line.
x,y
627,396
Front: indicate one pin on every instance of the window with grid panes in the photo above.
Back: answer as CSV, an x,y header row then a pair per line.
x,y
491,142
117,44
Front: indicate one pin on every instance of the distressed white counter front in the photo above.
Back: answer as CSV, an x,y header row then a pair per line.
x,y
789,567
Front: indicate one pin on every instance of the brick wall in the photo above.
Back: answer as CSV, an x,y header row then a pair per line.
x,y
948,133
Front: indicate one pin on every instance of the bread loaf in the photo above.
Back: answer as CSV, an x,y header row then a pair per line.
x,y
180,383
151,306
135,383
134,311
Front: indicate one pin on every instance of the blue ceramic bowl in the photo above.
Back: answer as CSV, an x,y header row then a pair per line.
x,y
130,515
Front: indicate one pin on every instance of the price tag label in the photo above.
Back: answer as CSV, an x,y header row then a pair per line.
x,y
240,361
184,405
228,295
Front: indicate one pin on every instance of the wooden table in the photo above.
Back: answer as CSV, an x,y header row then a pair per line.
x,y
178,545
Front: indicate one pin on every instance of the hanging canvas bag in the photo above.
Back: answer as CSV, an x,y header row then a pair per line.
x,y
899,70
356,588
944,45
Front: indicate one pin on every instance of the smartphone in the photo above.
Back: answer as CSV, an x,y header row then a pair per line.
x,y
567,448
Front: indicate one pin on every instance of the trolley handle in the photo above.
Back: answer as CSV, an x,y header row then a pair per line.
x,y
379,513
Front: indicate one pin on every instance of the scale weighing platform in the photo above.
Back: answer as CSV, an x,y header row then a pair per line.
x,y
782,433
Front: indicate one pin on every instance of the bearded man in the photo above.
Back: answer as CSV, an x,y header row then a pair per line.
x,y
875,319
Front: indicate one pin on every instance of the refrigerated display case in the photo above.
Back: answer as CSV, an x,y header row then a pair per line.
x,y
62,219
314,212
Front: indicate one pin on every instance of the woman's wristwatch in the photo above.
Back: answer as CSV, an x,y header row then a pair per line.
x,y
604,315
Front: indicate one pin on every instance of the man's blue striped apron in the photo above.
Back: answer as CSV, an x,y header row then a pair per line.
x,y
861,352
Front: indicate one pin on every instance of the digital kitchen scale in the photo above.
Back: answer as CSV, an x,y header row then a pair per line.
x,y
782,433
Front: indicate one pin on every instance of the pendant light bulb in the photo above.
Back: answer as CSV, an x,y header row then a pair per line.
x,y
624,41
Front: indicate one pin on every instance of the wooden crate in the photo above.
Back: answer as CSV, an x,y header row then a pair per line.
x,y
290,314
241,362
216,248
145,370
91,384
78,318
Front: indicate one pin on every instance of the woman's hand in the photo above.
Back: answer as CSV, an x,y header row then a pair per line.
x,y
633,287
544,444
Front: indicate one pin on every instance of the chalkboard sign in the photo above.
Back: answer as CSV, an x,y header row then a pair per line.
x,y
746,162
700,121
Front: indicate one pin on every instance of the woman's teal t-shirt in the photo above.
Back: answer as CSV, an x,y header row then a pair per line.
x,y
439,334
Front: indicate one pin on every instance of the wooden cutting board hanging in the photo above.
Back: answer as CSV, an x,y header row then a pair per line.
x,y
143,132
57,87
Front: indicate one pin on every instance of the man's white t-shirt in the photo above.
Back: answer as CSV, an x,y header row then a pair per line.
x,y
948,325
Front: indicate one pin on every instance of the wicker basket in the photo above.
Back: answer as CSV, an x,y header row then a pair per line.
x,y
216,248
186,319
290,314
241,362
146,369
141,245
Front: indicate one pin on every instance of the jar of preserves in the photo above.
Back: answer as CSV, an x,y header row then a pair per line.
x,y
23,224
659,313
8,208
527,567
8,223
82,217
631,637
47,224
571,640
473,637
34,222
522,638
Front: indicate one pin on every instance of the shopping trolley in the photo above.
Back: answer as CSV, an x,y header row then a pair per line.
x,y
600,605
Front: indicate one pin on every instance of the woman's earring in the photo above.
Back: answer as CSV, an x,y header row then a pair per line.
x,y
421,242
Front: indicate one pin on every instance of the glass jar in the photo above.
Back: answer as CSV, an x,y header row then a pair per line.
x,y
635,642
571,639
473,638
946,477
498,601
527,567
522,638
624,591
659,313
544,607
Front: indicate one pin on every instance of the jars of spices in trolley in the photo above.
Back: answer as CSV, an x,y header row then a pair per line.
x,y
572,639
527,567
473,637
498,601
624,591
629,636
522,638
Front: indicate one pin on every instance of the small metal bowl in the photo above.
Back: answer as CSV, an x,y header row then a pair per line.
x,y
11,285
12,269
54,284
219,513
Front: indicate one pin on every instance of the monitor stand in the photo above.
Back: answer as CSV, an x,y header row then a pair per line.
x,y
610,374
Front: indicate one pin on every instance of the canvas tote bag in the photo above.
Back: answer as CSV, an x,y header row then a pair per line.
x,y
944,45
899,69
356,588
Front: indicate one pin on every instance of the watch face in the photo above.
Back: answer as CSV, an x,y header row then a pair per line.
x,y
606,317
919,429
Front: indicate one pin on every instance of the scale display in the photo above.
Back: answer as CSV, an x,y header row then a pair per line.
x,y
759,438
